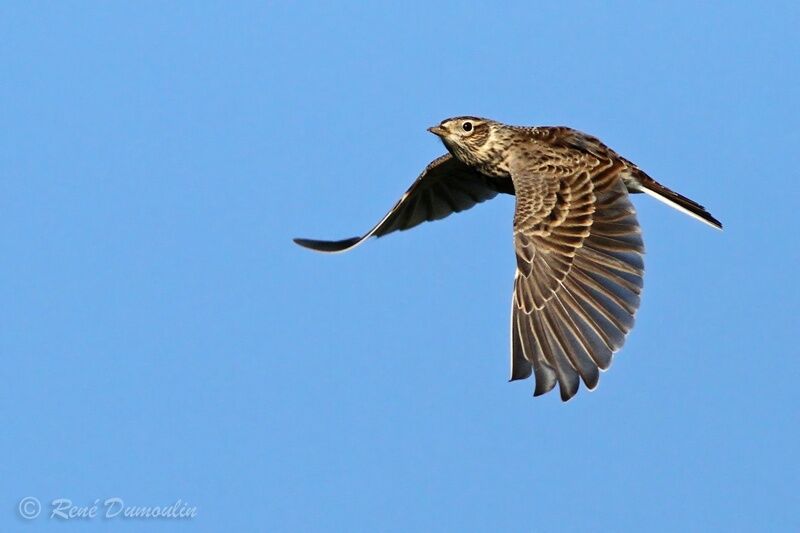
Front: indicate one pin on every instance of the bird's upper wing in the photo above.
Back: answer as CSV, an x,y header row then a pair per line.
x,y
579,274
445,186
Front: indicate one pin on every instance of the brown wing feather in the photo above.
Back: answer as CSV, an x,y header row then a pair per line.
x,y
578,280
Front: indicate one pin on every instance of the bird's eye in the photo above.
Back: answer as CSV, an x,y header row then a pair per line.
x,y
467,126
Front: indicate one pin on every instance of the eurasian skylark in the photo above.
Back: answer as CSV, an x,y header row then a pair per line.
x,y
577,241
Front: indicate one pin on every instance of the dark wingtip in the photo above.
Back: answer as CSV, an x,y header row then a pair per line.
x,y
327,246
567,395
521,369
305,243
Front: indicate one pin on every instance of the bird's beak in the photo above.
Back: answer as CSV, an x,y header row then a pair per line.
x,y
438,130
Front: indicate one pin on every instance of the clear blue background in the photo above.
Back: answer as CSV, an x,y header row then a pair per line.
x,y
163,339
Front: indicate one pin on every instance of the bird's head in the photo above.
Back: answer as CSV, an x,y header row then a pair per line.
x,y
467,138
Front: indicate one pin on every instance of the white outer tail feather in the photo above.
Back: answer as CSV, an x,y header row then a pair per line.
x,y
676,206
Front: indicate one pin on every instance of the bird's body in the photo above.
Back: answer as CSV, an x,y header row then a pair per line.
x,y
577,241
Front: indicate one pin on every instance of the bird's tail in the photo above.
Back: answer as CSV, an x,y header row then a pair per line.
x,y
644,183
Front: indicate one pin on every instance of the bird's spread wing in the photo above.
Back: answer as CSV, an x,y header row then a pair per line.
x,y
579,274
445,186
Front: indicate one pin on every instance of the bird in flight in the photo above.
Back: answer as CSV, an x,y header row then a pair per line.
x,y
577,241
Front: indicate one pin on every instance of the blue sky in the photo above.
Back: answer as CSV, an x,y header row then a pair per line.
x,y
163,339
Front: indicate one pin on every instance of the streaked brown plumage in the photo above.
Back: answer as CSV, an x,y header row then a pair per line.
x,y
577,241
